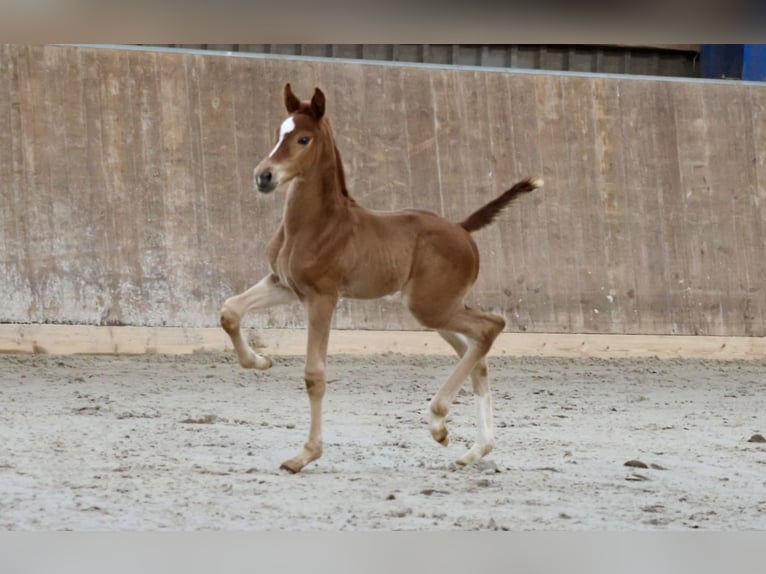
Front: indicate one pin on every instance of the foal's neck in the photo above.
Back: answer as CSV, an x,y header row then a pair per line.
x,y
319,197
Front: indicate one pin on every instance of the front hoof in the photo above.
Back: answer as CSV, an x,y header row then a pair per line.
x,y
292,466
441,436
309,453
255,361
264,362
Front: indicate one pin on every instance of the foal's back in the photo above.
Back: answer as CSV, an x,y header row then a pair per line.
x,y
391,249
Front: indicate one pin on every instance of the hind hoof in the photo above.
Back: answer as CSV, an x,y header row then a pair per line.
x,y
475,454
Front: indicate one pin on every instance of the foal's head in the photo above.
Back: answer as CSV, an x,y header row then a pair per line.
x,y
303,140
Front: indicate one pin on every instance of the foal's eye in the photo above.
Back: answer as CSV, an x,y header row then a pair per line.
x,y
304,140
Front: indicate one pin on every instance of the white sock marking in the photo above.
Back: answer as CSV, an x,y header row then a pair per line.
x,y
486,432
287,126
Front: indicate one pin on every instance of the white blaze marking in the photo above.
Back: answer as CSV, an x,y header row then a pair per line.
x,y
287,126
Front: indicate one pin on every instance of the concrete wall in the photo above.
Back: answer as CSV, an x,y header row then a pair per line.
x,y
126,193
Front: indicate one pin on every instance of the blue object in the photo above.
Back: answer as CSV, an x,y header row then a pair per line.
x,y
754,62
721,61
733,61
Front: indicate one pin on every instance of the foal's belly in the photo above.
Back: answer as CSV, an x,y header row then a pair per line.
x,y
363,286
377,271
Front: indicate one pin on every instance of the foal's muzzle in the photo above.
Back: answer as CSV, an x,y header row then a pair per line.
x,y
264,181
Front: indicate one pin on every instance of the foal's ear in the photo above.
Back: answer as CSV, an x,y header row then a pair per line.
x,y
317,104
291,102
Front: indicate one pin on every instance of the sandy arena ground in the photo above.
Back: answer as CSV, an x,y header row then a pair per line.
x,y
194,442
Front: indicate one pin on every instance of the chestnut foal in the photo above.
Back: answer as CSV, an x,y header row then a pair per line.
x,y
327,246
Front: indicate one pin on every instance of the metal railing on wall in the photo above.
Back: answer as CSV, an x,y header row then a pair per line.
x,y
656,60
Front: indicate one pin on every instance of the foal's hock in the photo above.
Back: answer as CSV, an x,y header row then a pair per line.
x,y
327,246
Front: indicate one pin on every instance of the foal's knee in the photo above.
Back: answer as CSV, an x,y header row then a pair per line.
x,y
229,319
315,382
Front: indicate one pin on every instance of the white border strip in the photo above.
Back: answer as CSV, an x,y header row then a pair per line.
x,y
90,339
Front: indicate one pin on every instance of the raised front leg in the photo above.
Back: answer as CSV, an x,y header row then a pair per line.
x,y
320,310
268,292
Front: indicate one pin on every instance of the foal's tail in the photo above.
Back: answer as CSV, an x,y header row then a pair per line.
x,y
486,215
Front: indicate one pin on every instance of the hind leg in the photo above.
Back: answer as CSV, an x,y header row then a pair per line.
x,y
443,271
471,333
485,437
